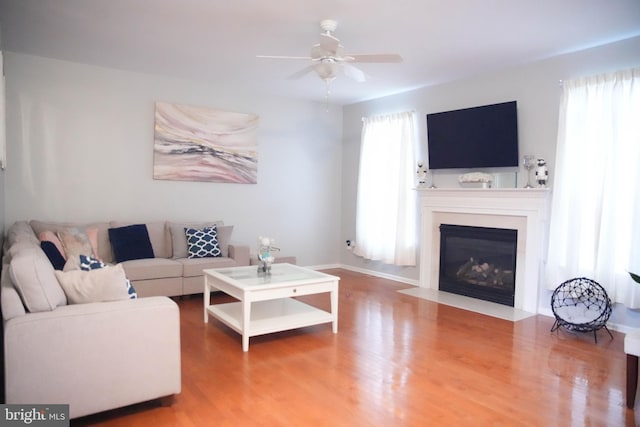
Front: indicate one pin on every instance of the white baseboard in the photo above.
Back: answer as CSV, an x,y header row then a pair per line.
x,y
365,271
324,267
395,278
545,312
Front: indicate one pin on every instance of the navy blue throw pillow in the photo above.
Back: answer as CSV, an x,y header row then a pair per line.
x,y
130,242
54,255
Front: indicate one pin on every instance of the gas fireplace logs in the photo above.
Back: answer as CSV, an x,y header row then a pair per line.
x,y
484,274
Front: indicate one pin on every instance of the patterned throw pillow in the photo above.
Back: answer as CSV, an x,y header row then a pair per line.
x,y
131,290
88,263
203,243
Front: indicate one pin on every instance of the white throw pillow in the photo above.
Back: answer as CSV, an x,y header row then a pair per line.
x,y
103,284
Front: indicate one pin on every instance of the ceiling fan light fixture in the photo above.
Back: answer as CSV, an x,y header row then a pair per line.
x,y
326,70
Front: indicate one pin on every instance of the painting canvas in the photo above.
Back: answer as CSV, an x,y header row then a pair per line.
x,y
202,144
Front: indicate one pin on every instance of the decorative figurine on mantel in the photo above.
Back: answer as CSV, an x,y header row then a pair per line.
x,y
265,247
484,179
542,173
528,163
422,174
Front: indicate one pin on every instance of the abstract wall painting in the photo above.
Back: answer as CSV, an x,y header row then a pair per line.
x,y
202,144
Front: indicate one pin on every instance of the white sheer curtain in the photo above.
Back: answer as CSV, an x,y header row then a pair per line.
x,y
3,136
595,217
386,201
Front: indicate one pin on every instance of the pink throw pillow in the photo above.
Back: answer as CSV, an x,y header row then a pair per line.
x,y
92,234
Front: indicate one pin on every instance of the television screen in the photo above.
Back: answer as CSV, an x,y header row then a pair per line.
x,y
477,137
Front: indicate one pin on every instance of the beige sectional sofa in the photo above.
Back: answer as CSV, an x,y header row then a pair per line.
x,y
169,272
93,356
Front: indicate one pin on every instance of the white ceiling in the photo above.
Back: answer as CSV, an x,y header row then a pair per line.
x,y
215,40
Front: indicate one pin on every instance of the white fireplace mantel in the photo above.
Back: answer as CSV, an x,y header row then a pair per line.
x,y
525,210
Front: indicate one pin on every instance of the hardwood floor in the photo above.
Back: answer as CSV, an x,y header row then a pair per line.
x,y
396,360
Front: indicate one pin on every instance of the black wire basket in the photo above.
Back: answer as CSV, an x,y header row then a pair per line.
x,y
581,305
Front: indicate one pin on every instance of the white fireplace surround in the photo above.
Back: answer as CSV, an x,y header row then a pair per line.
x,y
525,210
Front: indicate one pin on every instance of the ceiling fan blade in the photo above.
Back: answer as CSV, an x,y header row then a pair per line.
x,y
383,57
306,58
301,73
329,43
354,73
327,58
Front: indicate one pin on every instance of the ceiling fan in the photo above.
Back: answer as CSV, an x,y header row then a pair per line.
x,y
328,57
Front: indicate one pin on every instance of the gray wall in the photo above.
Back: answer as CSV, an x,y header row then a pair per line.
x,y
80,148
536,88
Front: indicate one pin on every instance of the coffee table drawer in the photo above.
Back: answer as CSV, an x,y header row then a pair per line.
x,y
292,291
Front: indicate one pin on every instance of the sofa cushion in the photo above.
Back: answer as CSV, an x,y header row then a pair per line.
x,y
34,278
192,267
18,247
224,238
54,255
158,235
152,268
130,242
103,284
103,243
20,231
179,238
202,243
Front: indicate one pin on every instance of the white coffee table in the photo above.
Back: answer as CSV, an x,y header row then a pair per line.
x,y
266,302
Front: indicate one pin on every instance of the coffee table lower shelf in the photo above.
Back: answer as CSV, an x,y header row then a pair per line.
x,y
270,316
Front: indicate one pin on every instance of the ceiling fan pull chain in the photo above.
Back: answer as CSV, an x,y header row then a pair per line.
x,y
326,98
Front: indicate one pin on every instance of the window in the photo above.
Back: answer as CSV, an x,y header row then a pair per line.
x,y
386,201
595,217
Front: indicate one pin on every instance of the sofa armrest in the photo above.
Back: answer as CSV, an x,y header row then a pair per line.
x,y
240,253
94,357
10,304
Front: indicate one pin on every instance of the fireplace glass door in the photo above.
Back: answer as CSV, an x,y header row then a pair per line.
x,y
478,262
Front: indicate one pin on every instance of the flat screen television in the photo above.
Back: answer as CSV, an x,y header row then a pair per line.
x,y
477,137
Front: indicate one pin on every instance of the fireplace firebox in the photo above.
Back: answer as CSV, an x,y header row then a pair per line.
x,y
478,262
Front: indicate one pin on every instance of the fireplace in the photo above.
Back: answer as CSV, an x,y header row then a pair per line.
x,y
478,262
524,210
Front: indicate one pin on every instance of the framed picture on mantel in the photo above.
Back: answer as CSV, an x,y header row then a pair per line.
x,y
203,144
